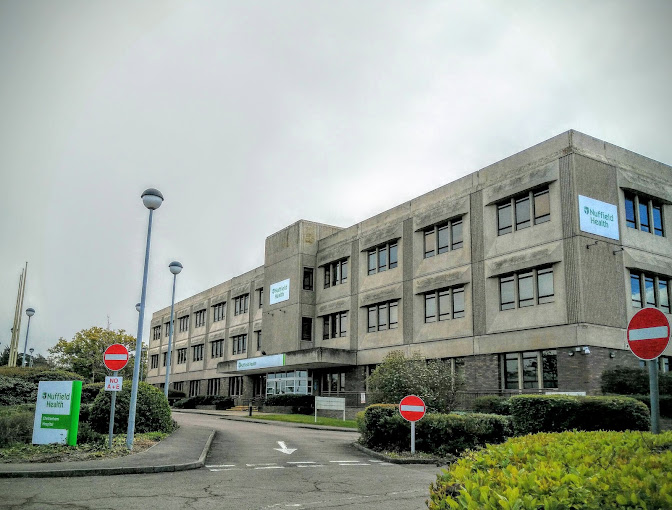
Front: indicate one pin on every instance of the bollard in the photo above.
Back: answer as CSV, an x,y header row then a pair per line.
x,y
250,409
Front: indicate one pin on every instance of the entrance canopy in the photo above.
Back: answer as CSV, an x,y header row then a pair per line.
x,y
305,359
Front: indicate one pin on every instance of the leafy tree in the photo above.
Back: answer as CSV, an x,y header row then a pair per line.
x,y
84,353
398,376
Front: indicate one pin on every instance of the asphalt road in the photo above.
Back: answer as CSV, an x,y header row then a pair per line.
x,y
246,469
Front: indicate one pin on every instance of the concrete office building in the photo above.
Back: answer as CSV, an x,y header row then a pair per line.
x,y
523,275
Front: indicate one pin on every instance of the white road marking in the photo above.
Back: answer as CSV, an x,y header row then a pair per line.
x,y
225,469
221,465
302,462
270,467
342,461
283,448
268,464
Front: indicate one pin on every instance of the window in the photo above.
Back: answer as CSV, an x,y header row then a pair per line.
x,y
443,237
306,329
200,318
645,214
182,356
298,382
217,349
335,273
383,316
178,386
156,332
382,258
198,352
258,334
308,278
213,387
260,297
529,370
241,304
334,325
526,288
165,357
167,326
239,344
194,388
333,382
155,361
236,386
184,323
219,312
521,211
444,304
650,290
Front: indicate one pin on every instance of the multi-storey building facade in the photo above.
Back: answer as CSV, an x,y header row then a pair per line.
x,y
523,275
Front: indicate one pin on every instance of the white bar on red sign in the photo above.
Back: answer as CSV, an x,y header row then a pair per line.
x,y
648,333
116,356
418,409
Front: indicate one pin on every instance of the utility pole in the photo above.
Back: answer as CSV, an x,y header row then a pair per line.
x,y
16,328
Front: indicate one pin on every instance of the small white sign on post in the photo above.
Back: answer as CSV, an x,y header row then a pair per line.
x,y
113,383
330,403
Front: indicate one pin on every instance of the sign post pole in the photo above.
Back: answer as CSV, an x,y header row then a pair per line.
x,y
115,358
112,404
412,437
412,408
655,401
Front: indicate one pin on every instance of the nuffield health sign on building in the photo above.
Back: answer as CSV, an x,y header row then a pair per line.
x,y
599,218
279,292
57,412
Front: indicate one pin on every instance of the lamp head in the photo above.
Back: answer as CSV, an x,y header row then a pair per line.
x,y
137,307
152,198
31,350
30,312
175,267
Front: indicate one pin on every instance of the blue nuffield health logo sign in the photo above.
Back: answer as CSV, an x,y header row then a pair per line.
x,y
599,218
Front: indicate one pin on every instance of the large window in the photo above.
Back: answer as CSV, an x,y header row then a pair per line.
x,y
241,304
200,318
382,316
156,332
308,283
181,356
239,344
197,352
155,361
444,304
382,258
213,387
260,297
258,335
218,312
650,290
298,382
645,214
306,329
167,326
335,273
529,370
521,211
184,323
217,349
333,383
526,288
443,237
194,388
334,325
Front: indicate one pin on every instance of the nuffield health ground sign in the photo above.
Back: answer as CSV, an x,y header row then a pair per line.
x,y
57,412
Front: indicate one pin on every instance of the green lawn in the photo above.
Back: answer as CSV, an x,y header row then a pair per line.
x,y
305,418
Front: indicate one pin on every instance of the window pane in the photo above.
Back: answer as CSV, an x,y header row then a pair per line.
x,y
522,213
635,290
382,317
325,328
511,376
327,276
549,360
657,220
644,215
430,307
630,211
307,278
525,289
457,234
663,296
530,364
443,239
545,285
394,320
344,323
336,271
650,293
393,256
506,293
444,305
373,318
542,207
430,241
382,259
458,302
504,221
344,271
372,262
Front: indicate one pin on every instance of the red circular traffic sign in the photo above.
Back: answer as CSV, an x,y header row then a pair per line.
x,y
648,333
115,357
412,408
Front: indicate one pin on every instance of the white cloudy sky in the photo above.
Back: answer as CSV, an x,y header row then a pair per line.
x,y
251,115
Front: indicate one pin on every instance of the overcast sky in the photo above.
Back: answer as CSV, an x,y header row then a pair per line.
x,y
249,116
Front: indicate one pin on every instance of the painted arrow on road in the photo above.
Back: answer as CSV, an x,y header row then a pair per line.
x,y
283,448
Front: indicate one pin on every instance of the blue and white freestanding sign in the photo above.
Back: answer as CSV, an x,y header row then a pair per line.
x,y
599,218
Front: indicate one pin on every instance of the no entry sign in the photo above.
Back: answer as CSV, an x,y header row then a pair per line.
x,y
115,357
412,408
648,333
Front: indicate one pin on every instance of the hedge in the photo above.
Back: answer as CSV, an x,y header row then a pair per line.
x,y
633,381
665,402
36,374
301,404
16,425
204,400
557,413
382,428
492,404
14,391
90,391
587,470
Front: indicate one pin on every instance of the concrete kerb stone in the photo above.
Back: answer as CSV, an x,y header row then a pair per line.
x,y
396,460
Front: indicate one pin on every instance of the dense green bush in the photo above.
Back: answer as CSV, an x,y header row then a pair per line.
x,y
176,394
204,400
382,428
36,374
90,391
492,404
557,413
665,402
587,470
301,404
633,381
15,391
152,410
16,425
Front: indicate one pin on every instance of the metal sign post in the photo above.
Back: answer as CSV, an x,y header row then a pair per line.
x,y
412,408
115,358
112,404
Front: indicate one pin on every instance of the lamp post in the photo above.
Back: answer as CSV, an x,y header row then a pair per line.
x,y
175,268
29,312
30,364
152,199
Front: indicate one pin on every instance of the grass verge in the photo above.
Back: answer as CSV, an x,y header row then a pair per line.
x,y
309,419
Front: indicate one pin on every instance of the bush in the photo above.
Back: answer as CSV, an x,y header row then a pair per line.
x,y
301,404
90,391
665,402
557,413
176,394
86,434
14,391
36,374
16,425
204,400
633,381
382,428
587,470
152,410
492,404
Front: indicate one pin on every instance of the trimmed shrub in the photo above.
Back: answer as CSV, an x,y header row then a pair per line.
x,y
377,428
16,425
633,381
665,402
36,374
587,470
557,413
301,404
152,412
90,391
492,404
176,394
204,400
14,391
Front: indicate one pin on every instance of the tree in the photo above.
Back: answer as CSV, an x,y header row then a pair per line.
x,y
84,353
398,376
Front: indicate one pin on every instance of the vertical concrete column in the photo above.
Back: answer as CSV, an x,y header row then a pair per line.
x,y
477,262
407,275
570,256
353,276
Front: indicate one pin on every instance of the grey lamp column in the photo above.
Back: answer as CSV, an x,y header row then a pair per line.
x,y
29,312
175,268
152,199
30,363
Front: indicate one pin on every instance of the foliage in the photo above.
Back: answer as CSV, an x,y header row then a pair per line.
x,y
633,381
84,353
301,404
664,401
383,428
86,435
152,410
398,376
587,470
492,404
176,394
557,413
14,391
204,400
37,374
16,425
90,391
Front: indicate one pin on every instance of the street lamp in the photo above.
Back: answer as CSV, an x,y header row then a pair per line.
x,y
152,199
137,307
29,312
175,268
31,357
